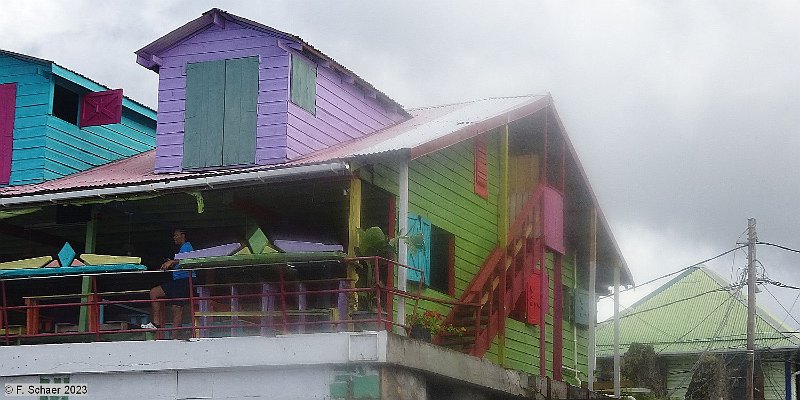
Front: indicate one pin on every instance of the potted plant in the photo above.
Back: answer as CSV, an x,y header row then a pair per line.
x,y
372,242
428,324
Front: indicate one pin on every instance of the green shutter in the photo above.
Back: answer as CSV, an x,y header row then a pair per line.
x,y
221,113
205,106
241,98
304,84
421,260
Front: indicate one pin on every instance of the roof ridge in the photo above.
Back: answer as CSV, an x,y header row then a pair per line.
x,y
475,101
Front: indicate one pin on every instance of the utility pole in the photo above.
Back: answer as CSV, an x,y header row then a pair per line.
x,y
751,304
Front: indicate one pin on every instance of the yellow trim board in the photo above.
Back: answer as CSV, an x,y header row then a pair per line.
x,y
36,262
102,259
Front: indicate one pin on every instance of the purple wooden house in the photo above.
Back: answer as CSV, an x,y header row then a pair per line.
x,y
233,92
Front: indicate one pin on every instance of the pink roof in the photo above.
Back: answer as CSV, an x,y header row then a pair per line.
x,y
429,129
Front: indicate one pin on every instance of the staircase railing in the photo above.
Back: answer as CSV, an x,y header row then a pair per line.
x,y
499,283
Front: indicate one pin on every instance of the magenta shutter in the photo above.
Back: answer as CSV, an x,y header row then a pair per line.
x,y
553,217
481,168
8,105
101,108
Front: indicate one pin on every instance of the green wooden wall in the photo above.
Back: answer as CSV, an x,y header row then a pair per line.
x,y
522,340
680,368
441,188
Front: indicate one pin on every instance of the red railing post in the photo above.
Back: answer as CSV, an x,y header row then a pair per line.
x,y
377,287
5,311
282,288
191,304
390,266
94,300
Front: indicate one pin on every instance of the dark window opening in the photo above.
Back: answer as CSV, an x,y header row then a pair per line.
x,y
442,250
65,104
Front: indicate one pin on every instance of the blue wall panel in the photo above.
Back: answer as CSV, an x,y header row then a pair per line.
x,y
46,147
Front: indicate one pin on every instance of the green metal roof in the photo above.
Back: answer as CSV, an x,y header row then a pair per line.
x,y
694,312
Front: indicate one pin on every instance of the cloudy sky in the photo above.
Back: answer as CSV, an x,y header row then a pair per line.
x,y
686,115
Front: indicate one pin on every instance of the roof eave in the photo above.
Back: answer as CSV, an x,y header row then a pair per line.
x,y
472,130
178,184
603,222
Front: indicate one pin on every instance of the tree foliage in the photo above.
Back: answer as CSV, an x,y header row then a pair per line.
x,y
709,380
644,368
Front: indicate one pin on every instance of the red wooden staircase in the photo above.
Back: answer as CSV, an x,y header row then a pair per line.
x,y
494,291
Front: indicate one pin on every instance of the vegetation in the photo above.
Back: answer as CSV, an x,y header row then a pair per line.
x,y
433,321
645,369
709,380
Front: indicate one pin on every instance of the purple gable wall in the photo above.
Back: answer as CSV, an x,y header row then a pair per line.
x,y
343,112
215,43
284,131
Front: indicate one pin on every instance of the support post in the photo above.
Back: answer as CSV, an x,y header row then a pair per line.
x,y
751,303
354,223
402,255
502,232
616,333
787,377
86,283
592,294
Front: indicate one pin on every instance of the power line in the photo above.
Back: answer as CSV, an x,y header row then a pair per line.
x,y
779,246
678,271
723,288
778,284
792,307
788,313
721,325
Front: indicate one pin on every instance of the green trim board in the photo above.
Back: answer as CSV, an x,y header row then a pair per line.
x,y
704,314
257,259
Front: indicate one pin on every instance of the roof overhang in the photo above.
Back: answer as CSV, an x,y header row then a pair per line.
x,y
172,184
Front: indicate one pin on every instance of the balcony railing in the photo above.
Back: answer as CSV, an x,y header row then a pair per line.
x,y
250,300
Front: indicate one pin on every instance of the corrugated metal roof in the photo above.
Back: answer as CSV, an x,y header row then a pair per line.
x,y
129,172
431,124
696,311
427,125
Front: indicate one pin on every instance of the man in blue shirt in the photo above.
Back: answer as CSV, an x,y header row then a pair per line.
x,y
176,288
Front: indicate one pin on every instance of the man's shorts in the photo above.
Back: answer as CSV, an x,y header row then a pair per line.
x,y
176,288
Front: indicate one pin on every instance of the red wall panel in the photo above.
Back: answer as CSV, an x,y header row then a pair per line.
x,y
8,105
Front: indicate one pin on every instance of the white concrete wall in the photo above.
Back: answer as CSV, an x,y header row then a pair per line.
x,y
284,367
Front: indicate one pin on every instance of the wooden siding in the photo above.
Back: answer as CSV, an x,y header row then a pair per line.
x,y
680,368
212,44
342,112
441,190
522,340
774,380
33,105
284,131
46,147
69,149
